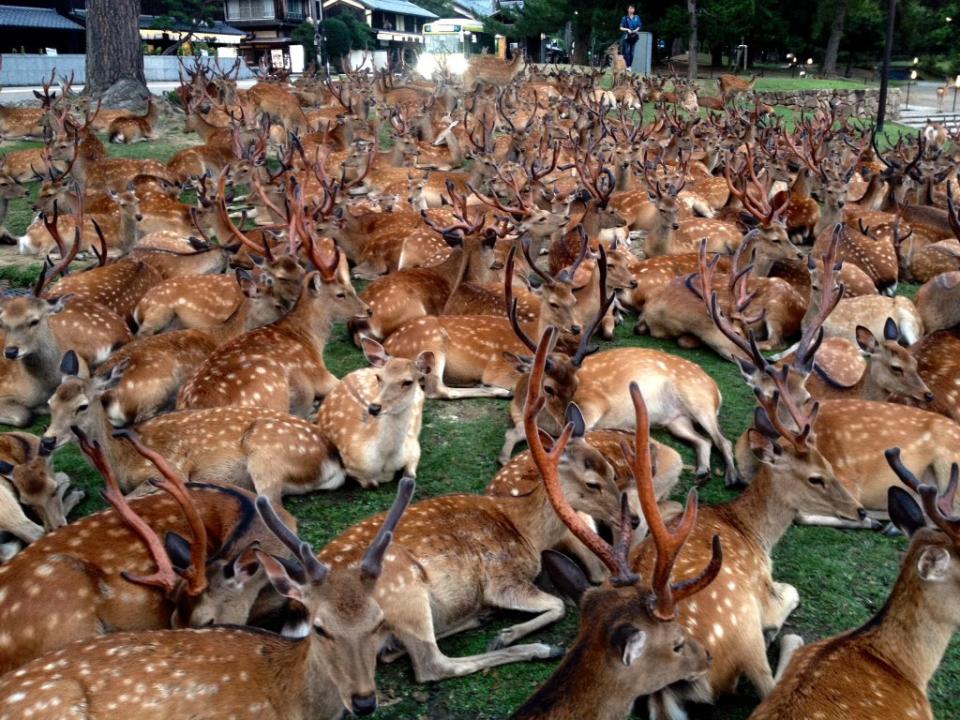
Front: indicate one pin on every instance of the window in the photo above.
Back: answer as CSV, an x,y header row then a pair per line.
x,y
296,9
401,26
250,9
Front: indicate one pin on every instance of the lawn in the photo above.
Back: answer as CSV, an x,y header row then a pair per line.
x,y
843,577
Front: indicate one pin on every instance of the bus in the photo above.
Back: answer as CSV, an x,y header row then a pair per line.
x,y
448,42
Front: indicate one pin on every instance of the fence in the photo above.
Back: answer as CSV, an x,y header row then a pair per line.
x,y
31,69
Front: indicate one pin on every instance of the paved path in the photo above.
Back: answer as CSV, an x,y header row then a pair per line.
x,y
15,94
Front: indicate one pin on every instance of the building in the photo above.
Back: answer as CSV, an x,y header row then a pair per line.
x,y
39,30
397,24
268,25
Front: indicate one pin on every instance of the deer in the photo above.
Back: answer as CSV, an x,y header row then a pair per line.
x,y
936,358
237,445
373,416
883,668
732,85
630,642
794,478
155,366
29,481
452,593
488,70
345,620
280,366
135,128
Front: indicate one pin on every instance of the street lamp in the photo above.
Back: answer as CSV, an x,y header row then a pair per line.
x,y
913,77
956,89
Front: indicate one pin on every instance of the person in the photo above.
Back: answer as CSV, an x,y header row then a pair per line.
x,y
630,27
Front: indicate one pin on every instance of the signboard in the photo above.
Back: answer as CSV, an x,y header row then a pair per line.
x,y
276,58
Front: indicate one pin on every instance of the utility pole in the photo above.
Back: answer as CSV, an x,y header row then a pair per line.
x,y
885,72
319,39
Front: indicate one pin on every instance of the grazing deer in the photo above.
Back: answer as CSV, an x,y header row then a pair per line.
x,y
30,481
135,128
373,416
236,445
732,85
794,478
630,643
488,70
883,668
325,673
280,366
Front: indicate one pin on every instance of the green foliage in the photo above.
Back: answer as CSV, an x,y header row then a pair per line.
x,y
361,36
304,34
187,13
338,37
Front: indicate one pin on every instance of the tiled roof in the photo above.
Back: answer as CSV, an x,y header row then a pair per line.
x,y
27,17
398,6
216,27
479,8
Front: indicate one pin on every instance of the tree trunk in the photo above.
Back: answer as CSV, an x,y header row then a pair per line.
x,y
113,44
581,47
693,47
833,42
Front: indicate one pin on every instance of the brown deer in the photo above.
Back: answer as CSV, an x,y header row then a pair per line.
x,y
938,364
373,416
231,444
345,621
489,70
280,366
135,128
732,85
794,478
630,642
207,578
883,668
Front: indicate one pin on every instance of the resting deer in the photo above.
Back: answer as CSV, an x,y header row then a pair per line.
x,y
135,128
280,366
630,643
373,417
794,477
883,668
245,446
329,671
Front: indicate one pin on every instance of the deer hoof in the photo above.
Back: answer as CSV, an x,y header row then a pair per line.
x,y
555,651
499,642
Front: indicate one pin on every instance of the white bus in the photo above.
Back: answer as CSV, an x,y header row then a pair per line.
x,y
448,42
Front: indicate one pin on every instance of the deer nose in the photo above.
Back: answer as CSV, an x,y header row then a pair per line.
x,y
676,226
48,442
634,284
374,408
928,396
139,217
634,521
575,329
862,513
364,704
10,353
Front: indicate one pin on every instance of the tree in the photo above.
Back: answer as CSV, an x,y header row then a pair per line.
x,y
114,53
693,48
304,34
185,14
338,37
829,66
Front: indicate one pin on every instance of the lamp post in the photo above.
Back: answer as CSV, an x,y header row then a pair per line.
x,y
956,88
913,77
885,73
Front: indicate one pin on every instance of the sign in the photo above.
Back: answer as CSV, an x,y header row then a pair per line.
x,y
276,58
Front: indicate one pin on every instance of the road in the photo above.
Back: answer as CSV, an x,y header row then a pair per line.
x,y
16,94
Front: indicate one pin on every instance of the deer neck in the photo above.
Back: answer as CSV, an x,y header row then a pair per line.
x,y
660,239
576,689
591,220
625,180
44,364
300,682
309,322
831,215
911,632
801,184
453,268
534,519
761,512
455,148
238,323
128,231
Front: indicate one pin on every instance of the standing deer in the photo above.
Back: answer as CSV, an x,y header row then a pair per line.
x,y
248,672
883,668
630,642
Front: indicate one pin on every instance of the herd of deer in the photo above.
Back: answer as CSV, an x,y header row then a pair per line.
x,y
181,345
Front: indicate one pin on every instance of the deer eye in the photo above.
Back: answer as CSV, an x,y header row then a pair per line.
x,y
406,383
554,305
817,481
34,323
549,390
318,629
678,647
593,485
82,408
897,370
341,295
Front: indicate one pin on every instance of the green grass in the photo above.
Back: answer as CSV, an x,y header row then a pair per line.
x,y
843,577
786,84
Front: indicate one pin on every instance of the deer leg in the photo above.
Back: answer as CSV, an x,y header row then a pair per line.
x,y
783,601
15,414
868,523
665,705
608,325
789,644
513,436
708,421
682,428
756,666
525,598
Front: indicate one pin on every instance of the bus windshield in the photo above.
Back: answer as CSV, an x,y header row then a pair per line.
x,y
443,44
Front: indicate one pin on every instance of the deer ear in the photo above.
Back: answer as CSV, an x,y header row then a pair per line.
x,y
762,447
520,364
933,564
59,304
113,379
865,339
630,642
279,578
178,550
904,511
890,330
565,574
70,364
248,286
575,416
426,362
373,352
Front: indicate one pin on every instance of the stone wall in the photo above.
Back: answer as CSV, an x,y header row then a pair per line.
x,y
865,100
19,70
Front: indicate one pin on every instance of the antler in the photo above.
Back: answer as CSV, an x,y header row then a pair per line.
x,y
548,463
511,301
372,564
66,257
314,570
174,485
831,291
668,542
945,501
606,300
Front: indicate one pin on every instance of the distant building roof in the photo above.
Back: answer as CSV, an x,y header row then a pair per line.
x,y
476,8
28,17
217,27
398,6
